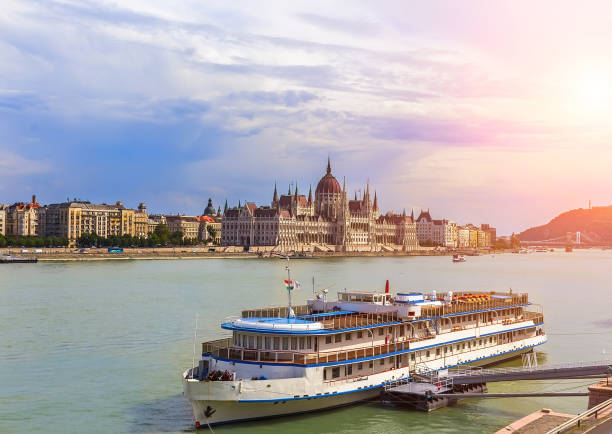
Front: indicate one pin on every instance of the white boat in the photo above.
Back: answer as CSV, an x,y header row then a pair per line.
x,y
288,360
458,258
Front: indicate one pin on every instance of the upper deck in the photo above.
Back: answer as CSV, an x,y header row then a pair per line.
x,y
370,310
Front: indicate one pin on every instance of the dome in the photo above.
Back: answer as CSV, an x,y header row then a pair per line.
x,y
210,209
328,184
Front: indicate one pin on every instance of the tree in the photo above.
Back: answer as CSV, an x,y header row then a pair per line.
x,y
212,232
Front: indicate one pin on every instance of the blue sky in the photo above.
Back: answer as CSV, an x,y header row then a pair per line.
x,y
481,111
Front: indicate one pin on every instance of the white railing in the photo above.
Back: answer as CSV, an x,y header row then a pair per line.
x,y
576,421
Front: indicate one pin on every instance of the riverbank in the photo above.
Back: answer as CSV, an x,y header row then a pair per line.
x,y
168,253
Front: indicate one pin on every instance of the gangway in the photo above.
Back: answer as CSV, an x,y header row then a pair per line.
x,y
597,369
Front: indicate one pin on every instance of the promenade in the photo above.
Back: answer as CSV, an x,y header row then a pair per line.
x,y
193,252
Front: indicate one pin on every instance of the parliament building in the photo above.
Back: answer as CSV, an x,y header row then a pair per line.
x,y
331,222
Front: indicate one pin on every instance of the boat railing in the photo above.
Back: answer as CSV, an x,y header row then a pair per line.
x,y
448,309
342,322
276,312
224,348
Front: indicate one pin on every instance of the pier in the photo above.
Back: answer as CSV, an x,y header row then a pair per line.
x,y
436,389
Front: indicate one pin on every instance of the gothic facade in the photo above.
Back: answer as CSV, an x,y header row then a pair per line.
x,y
328,222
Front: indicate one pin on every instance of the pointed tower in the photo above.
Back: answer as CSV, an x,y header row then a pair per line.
x,y
355,195
289,191
412,215
219,211
310,195
239,206
328,166
375,206
404,213
366,196
296,190
275,197
225,207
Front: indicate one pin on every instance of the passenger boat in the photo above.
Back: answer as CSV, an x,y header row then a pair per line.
x,y
458,258
329,353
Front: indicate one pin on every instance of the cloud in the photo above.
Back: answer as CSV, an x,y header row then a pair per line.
x,y
341,25
14,166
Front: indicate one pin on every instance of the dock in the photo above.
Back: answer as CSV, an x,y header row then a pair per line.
x,y
17,260
432,390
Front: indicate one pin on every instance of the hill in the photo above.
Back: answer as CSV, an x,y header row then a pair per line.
x,y
594,225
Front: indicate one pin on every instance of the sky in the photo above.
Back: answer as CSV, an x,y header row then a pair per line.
x,y
483,112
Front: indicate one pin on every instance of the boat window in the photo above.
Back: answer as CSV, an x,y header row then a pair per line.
x,y
268,342
360,366
480,342
412,357
309,342
328,339
338,338
382,362
259,342
401,330
390,330
381,331
445,350
302,339
359,335
347,337
294,344
349,370
325,374
276,343
236,339
244,341
336,372
427,354
251,341
285,343
437,351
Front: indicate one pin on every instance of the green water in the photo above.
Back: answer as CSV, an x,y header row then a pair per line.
x,y
100,346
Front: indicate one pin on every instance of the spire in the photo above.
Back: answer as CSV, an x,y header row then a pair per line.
x,y
275,198
344,185
412,214
375,201
404,213
289,192
366,196
225,207
310,195
355,194
239,206
328,166
219,211
296,190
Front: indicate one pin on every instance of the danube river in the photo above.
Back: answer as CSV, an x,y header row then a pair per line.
x,y
100,346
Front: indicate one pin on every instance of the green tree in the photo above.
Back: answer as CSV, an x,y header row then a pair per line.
x,y
212,232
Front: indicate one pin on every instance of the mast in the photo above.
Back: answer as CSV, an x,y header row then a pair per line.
x,y
289,287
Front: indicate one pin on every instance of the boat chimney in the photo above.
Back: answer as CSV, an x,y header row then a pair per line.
x,y
387,287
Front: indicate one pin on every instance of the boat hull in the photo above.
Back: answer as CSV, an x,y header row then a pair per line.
x,y
215,412
224,412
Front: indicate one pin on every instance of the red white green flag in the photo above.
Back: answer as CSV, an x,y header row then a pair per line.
x,y
292,284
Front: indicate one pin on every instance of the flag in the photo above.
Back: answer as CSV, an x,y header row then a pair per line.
x,y
297,284
289,284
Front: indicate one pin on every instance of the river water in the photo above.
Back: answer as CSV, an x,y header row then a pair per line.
x,y
100,346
